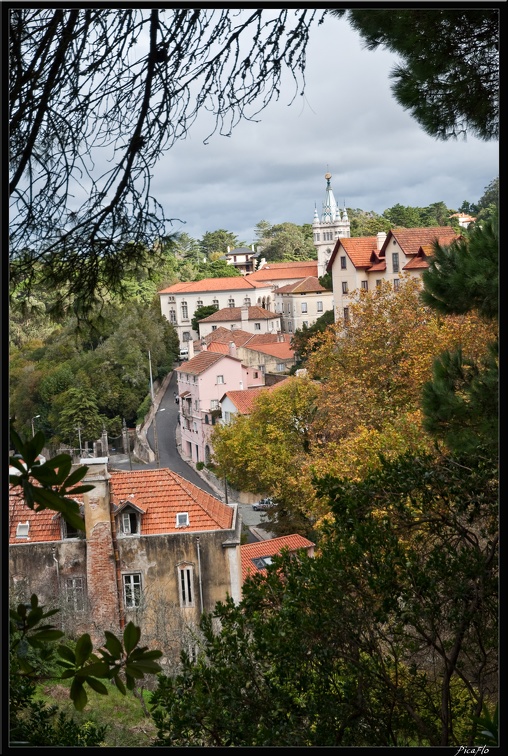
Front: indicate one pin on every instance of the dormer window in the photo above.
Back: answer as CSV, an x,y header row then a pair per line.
x,y
129,523
69,531
22,529
182,519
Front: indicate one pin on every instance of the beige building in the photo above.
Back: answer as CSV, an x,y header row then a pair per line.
x,y
361,263
157,550
302,303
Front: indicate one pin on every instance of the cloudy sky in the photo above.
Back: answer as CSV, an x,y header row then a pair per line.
x,y
348,123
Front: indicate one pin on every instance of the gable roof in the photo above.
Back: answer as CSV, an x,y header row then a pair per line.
x,y
244,399
311,283
359,249
200,362
162,494
235,313
411,239
270,547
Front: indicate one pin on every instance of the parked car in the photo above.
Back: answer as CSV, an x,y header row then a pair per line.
x,y
263,504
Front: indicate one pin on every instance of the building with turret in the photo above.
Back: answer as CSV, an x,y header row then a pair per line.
x,y
332,224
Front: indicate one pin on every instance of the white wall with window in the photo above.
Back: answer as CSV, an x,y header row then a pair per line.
x,y
132,590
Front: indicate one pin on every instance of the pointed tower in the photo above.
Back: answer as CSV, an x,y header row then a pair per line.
x,y
329,227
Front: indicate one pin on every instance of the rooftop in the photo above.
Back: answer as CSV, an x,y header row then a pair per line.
x,y
269,548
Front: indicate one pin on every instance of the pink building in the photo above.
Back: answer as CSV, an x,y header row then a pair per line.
x,y
202,382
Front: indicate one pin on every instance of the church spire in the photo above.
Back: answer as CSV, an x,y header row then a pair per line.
x,y
329,205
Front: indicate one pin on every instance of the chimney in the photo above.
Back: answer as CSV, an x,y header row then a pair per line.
x,y
101,579
244,314
204,345
190,346
381,236
229,250
240,385
232,349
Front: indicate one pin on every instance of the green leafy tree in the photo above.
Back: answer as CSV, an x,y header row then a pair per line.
x,y
406,217
218,241
287,241
372,641
430,80
301,340
461,401
366,223
216,269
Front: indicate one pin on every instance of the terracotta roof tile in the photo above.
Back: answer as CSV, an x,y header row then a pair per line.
x,y
250,551
280,349
162,494
280,271
311,283
411,239
235,313
230,283
199,363
244,399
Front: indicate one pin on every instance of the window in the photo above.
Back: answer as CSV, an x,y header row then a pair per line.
x,y
281,367
344,287
255,374
132,590
185,586
22,529
214,328
319,306
207,422
304,306
290,326
171,299
378,282
185,311
343,263
395,262
227,417
317,237
305,323
346,314
129,523
215,302
172,316
199,303
328,236
196,404
75,594
182,519
262,562
214,404
365,285
69,531
231,302
396,284
257,326
186,336
220,379
246,301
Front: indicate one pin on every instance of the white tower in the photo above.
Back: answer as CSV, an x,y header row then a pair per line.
x,y
329,227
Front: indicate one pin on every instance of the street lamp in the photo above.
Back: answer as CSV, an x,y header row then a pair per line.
x,y
34,418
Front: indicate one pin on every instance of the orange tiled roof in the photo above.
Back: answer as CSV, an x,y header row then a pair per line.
x,y
230,283
218,347
235,313
162,494
244,399
280,349
199,363
411,239
267,338
381,265
43,526
250,551
358,248
279,271
311,283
